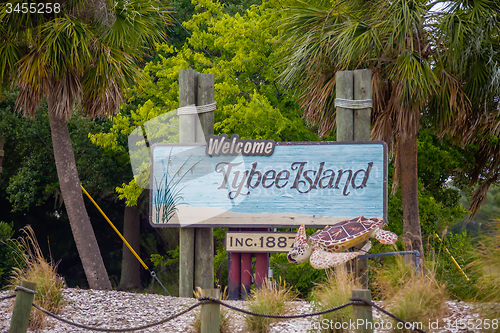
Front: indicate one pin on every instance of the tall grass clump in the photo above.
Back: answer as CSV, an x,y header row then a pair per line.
x,y
335,291
461,247
42,272
271,299
487,260
415,298
224,317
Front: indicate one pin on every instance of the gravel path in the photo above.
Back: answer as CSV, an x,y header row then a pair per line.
x,y
116,309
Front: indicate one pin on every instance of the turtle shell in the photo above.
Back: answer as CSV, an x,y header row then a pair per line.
x,y
331,236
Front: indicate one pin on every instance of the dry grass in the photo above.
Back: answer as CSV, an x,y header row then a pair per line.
x,y
415,298
224,318
336,291
487,260
270,299
42,272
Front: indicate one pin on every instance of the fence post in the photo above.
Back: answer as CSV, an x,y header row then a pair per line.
x,y
22,308
363,313
210,312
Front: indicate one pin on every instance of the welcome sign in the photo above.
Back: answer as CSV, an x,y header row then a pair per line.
x,y
230,182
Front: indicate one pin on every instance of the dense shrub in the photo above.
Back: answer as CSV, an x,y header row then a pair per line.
x,y
10,253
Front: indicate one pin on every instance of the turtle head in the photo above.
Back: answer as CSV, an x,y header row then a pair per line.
x,y
299,253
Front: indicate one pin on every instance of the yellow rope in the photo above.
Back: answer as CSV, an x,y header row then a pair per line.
x,y
114,228
452,259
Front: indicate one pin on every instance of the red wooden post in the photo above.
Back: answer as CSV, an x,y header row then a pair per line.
x,y
261,266
260,269
246,274
234,275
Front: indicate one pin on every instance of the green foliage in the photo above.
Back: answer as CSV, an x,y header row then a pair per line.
x,y
220,258
172,258
10,253
241,50
490,210
166,267
461,248
300,276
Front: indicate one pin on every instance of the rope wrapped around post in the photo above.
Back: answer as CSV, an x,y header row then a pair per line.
x,y
193,109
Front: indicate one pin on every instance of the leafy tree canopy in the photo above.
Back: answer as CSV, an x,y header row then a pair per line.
x,y
242,49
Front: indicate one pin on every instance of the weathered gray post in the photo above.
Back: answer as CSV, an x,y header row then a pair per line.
x,y
345,119
362,91
196,267
353,124
353,120
363,313
362,120
210,313
204,238
187,134
22,308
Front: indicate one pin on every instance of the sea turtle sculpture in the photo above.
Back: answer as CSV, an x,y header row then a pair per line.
x,y
324,247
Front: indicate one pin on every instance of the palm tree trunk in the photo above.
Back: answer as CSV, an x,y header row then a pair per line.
x,y
69,183
131,274
412,237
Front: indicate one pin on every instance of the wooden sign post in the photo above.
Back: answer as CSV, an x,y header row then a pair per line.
x,y
353,124
196,268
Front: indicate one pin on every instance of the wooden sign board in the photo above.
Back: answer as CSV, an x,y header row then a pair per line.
x,y
259,241
257,183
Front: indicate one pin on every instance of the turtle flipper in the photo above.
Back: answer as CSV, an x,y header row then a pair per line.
x,y
386,237
321,259
300,238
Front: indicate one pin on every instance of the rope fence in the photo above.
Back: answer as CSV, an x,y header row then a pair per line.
x,y
7,297
206,300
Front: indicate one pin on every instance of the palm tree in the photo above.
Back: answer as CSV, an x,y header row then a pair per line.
x,y
80,56
423,62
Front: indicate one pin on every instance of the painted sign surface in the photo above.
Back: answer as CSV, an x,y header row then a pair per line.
x,y
255,241
255,183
